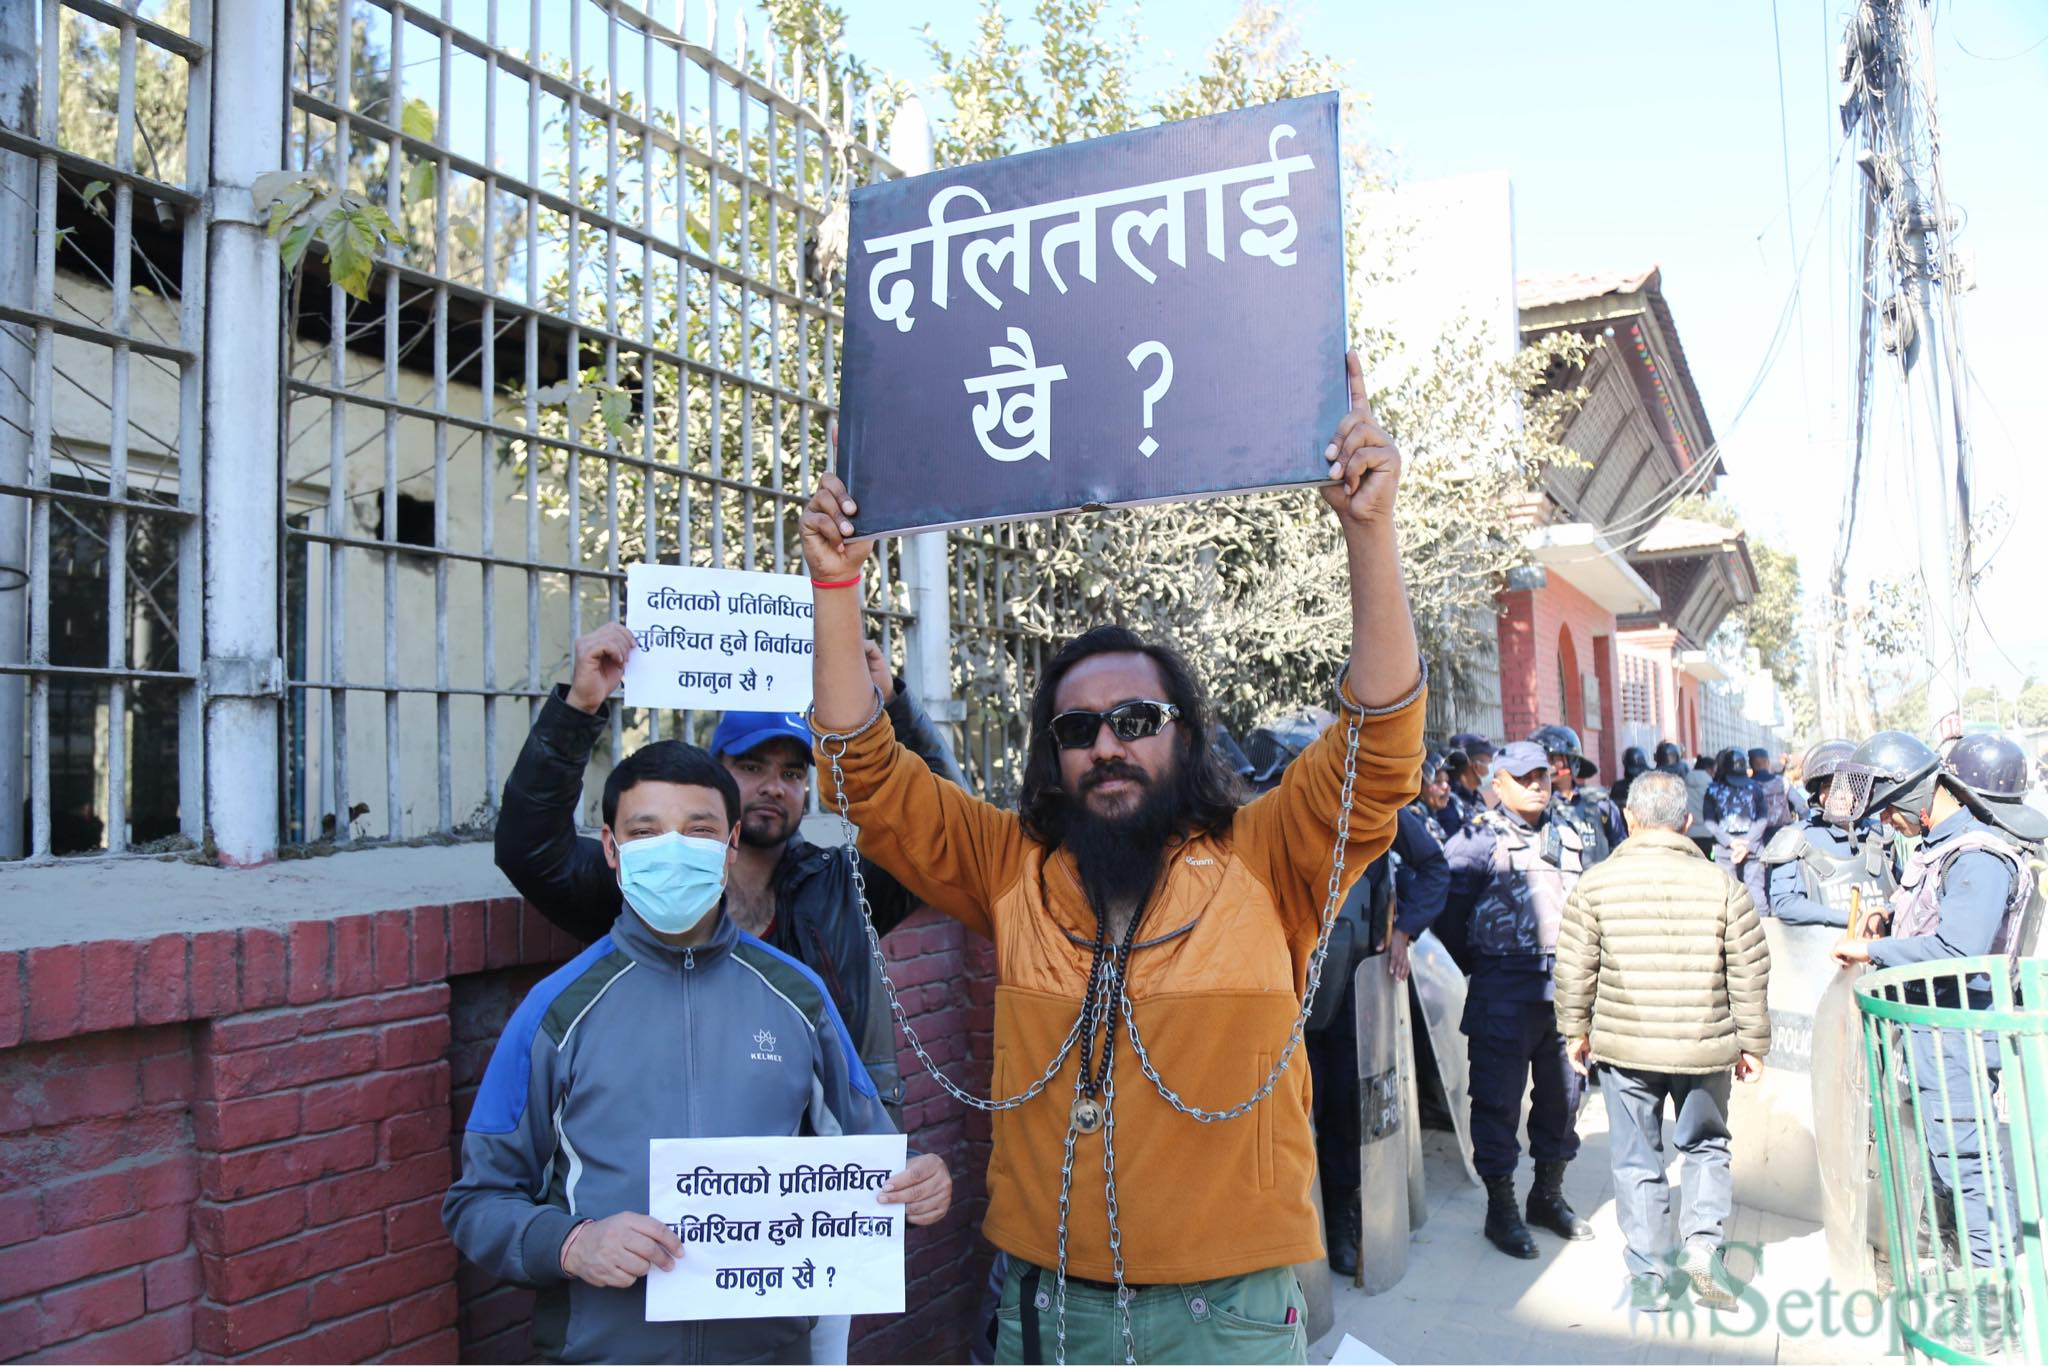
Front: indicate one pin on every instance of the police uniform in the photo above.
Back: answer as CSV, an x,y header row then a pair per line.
x,y
1597,820
1813,870
1509,880
1959,896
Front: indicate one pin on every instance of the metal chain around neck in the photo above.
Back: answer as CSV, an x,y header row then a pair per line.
x,y
1332,902
867,919
1088,1019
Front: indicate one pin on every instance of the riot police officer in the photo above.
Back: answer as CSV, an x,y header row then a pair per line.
x,y
1511,868
1820,869
1597,819
1961,894
1635,762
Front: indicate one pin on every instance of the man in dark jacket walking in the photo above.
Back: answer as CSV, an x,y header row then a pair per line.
x,y
794,895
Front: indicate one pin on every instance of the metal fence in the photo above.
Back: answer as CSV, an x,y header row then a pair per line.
x,y
601,327
103,170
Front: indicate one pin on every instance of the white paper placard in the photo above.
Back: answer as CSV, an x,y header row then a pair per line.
x,y
718,639
776,1227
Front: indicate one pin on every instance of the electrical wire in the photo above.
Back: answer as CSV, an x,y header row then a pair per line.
x,y
1791,243
1634,527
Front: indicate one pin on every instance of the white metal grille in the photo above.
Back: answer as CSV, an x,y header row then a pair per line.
x,y
598,344
103,170
601,329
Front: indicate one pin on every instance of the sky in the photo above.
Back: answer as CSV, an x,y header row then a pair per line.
x,y
1651,134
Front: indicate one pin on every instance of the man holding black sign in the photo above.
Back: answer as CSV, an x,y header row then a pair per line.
x,y
1132,895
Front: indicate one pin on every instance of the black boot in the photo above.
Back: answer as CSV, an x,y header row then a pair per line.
x,y
1504,1226
1547,1208
1341,1219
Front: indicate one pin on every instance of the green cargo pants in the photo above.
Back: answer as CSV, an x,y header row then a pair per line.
x,y
1254,1318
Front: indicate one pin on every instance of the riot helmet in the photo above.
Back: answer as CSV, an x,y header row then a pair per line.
x,y
1634,761
1669,754
1274,745
1557,740
1987,772
1890,769
1730,763
1819,763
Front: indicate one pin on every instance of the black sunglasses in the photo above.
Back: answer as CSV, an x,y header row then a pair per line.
x,y
1127,721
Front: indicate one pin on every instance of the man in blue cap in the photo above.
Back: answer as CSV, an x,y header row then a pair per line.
x,y
1511,868
782,889
795,895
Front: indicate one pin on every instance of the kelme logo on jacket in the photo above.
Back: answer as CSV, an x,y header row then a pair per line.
x,y
764,1044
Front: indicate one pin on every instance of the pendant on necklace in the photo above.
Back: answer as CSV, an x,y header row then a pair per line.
x,y
1087,1114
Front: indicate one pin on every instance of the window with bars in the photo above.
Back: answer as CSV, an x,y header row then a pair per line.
x,y
602,328
103,119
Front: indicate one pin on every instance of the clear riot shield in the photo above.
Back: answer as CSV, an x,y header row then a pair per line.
x,y
1383,1141
1439,989
1841,1133
1404,1057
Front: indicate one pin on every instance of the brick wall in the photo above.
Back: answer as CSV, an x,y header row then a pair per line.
x,y
233,1143
1532,624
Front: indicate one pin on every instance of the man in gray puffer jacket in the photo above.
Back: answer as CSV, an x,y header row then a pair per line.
x,y
1662,972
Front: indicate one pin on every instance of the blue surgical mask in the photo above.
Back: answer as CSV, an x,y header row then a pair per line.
x,y
672,881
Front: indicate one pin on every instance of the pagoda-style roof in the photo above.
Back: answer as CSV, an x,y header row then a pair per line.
x,y
1643,429
1701,571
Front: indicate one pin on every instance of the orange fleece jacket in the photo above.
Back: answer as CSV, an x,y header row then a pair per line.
x,y
1216,979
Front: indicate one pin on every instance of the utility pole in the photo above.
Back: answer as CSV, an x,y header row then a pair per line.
x,y
1889,53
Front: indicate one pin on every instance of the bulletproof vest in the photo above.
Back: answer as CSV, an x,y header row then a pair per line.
x,y
1916,906
1434,820
1523,903
1830,872
1582,812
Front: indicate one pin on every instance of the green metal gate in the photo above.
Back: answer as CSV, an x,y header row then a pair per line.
x,y
1958,1067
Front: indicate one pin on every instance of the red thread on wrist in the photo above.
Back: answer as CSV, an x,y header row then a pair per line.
x,y
570,1242
853,582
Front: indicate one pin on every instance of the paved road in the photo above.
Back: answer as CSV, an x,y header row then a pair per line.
x,y
1463,1301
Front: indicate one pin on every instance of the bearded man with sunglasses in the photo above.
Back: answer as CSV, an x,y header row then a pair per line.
x,y
1154,937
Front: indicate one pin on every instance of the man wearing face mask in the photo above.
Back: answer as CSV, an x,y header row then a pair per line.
x,y
654,1032
1511,869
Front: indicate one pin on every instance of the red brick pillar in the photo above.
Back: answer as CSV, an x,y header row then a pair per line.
x,y
1519,706
322,1137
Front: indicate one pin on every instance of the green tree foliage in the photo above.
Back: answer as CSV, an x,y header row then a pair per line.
x,y
1769,622
1261,579
2032,708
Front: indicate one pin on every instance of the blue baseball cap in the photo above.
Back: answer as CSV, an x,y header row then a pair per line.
x,y
1520,758
743,732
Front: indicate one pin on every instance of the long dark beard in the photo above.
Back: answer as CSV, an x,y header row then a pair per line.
x,y
1119,857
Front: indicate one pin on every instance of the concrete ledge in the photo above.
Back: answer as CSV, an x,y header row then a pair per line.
x,y
77,901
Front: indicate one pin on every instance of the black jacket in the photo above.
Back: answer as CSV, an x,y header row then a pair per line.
x,y
817,912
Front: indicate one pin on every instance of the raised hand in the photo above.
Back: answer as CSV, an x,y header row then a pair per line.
x,y
1365,464
600,665
878,669
830,549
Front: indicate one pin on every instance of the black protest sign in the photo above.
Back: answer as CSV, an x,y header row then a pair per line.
x,y
1138,318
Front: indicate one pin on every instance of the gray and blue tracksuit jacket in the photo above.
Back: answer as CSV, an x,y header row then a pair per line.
x,y
634,1040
